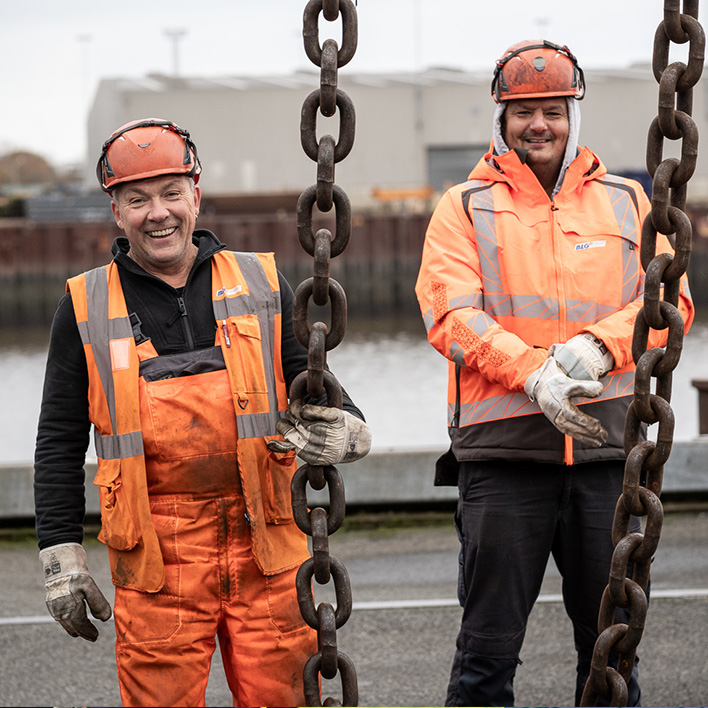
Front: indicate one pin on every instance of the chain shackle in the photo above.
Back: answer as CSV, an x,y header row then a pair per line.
x,y
318,339
645,459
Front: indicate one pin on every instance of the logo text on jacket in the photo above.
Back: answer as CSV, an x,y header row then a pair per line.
x,y
589,244
228,291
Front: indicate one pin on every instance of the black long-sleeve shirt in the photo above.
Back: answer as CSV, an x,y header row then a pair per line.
x,y
176,320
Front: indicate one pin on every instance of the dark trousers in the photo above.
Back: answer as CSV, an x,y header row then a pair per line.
x,y
510,517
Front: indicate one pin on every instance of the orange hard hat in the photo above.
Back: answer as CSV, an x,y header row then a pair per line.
x,y
537,69
146,148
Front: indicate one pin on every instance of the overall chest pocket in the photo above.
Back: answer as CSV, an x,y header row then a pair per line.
x,y
188,416
242,336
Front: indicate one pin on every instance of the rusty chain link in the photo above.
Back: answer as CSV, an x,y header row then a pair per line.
x,y
645,459
318,339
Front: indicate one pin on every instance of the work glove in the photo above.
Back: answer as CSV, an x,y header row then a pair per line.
x,y
583,357
322,435
69,586
552,389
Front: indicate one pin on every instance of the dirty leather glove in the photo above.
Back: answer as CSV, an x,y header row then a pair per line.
x,y
69,586
552,390
322,435
583,357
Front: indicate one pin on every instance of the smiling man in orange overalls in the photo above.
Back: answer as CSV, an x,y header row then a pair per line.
x,y
180,354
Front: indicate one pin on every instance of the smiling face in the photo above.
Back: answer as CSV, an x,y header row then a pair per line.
x,y
158,216
540,126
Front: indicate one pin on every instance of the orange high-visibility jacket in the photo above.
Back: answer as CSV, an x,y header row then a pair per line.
x,y
246,304
506,273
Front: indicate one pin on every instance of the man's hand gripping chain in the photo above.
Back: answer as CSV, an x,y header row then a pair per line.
x,y
321,435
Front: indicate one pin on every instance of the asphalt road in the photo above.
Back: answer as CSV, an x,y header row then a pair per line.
x,y
402,631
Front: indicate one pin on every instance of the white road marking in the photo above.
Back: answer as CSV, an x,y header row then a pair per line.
x,y
678,593
681,593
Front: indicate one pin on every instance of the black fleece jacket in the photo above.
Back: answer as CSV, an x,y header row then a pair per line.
x,y
176,320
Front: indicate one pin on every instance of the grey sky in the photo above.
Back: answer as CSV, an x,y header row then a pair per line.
x,y
53,54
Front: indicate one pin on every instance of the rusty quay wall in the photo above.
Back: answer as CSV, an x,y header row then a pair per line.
x,y
378,268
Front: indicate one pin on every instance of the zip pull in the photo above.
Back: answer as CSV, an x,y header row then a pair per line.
x,y
225,330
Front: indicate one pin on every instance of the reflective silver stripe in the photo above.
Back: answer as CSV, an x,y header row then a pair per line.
x,y
587,312
98,331
508,406
512,405
84,332
684,283
480,322
457,353
476,301
428,319
622,198
118,447
257,425
617,385
265,304
504,305
233,307
120,328
630,275
534,307
482,201
538,308
257,281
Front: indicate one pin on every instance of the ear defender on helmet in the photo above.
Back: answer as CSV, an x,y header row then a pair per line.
x,y
147,148
537,69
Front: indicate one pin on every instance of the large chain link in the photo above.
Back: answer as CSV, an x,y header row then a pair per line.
x,y
645,459
318,339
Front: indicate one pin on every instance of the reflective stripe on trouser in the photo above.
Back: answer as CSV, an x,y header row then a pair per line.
x,y
165,641
511,517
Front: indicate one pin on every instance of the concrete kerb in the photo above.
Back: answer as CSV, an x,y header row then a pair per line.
x,y
383,478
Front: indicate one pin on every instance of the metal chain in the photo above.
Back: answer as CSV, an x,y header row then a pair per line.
x,y
644,467
318,339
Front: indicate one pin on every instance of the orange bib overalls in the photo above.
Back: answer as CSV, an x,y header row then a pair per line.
x,y
211,498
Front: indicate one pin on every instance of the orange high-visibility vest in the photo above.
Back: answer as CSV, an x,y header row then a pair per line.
x,y
506,273
246,304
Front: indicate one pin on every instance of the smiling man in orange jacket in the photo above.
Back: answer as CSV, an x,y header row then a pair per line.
x,y
530,283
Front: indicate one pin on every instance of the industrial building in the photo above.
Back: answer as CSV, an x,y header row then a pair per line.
x,y
416,133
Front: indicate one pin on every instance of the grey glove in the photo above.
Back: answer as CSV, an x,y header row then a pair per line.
x,y
553,389
70,588
583,357
322,435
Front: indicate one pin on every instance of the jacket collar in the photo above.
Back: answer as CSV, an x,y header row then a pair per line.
x,y
206,242
512,169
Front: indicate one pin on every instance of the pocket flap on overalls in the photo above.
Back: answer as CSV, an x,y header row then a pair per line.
x,y
118,529
248,326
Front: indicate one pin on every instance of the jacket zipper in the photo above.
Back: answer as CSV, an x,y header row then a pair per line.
x,y
562,329
185,323
558,261
458,396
